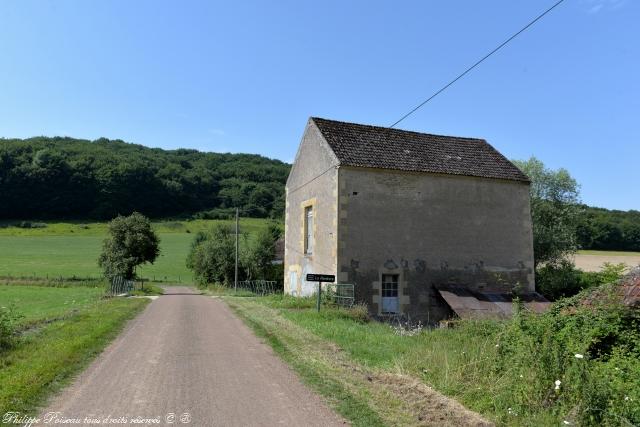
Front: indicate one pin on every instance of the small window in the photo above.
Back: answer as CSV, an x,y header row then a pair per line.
x,y
389,291
308,230
389,285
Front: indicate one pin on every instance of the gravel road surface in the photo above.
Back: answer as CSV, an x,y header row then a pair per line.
x,y
188,360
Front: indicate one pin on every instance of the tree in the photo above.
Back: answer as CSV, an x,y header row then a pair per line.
x,y
258,257
212,256
555,211
131,242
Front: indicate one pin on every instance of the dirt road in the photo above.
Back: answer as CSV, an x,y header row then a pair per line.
x,y
187,360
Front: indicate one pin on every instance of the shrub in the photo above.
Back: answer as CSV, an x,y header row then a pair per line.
x,y
358,312
257,256
9,318
580,360
212,256
558,280
562,279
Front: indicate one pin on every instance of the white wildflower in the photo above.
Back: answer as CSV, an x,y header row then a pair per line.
x,y
565,422
497,345
579,356
521,376
558,382
627,398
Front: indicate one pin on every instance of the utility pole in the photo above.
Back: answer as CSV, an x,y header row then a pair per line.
x,y
236,275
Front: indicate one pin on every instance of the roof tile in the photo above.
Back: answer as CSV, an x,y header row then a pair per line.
x,y
387,148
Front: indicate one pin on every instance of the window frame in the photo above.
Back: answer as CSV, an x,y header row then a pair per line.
x,y
309,240
390,289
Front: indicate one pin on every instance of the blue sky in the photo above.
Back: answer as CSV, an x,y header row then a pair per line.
x,y
245,76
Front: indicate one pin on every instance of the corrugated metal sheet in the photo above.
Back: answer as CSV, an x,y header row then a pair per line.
x,y
469,304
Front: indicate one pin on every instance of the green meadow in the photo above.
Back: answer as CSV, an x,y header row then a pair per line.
x,y
71,249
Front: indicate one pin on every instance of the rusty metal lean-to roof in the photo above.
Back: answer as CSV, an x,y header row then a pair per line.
x,y
471,304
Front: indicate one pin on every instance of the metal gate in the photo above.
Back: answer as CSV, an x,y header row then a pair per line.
x,y
344,294
119,285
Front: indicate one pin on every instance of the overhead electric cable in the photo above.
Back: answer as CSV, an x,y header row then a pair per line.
x,y
445,87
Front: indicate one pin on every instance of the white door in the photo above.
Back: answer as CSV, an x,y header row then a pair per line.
x,y
389,294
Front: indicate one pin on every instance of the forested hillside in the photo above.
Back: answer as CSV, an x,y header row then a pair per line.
x,y
606,229
50,178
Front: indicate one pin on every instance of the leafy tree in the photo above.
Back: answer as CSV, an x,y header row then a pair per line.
x,y
555,211
131,242
261,251
212,256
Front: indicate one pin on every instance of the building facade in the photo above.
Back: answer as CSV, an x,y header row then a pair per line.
x,y
401,214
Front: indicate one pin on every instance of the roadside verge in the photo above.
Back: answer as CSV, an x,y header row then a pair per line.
x,y
363,395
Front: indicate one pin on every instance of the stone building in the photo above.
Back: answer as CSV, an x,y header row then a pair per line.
x,y
423,225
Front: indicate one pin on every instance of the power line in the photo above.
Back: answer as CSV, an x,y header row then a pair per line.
x,y
445,87
271,203
311,180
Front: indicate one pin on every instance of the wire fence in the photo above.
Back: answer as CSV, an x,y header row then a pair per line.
x,y
259,287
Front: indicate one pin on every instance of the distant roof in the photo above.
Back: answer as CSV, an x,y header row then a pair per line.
x,y
385,148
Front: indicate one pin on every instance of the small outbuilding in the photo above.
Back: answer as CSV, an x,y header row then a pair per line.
x,y
421,224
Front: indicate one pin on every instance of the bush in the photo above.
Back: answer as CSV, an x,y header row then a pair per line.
x,y
358,312
212,256
563,280
580,360
257,256
9,318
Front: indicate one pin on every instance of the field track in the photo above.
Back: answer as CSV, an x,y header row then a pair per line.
x,y
593,262
187,359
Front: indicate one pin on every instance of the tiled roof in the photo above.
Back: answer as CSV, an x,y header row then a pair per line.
x,y
385,148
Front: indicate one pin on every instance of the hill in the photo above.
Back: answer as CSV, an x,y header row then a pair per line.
x,y
53,178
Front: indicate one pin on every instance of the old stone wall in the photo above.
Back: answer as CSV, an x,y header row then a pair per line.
x,y
432,229
312,182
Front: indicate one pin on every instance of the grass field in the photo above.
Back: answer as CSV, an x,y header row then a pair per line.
x,y
39,303
72,249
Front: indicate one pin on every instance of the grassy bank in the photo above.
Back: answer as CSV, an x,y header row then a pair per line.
x,y
505,370
61,333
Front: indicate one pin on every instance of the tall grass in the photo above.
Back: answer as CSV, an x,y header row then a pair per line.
x,y
506,370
